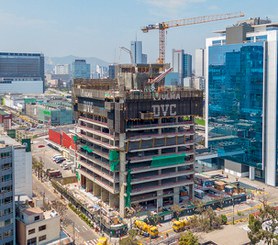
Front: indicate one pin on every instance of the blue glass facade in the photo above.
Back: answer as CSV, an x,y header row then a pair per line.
x,y
235,101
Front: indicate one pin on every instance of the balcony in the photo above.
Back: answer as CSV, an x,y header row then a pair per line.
x,y
110,178
155,126
161,176
97,142
96,132
149,168
95,122
150,136
95,160
144,158
144,189
188,142
98,181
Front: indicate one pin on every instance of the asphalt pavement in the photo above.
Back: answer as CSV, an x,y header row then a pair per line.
x,y
74,225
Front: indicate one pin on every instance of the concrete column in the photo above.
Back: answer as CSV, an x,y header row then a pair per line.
x,y
122,175
176,195
113,200
104,195
159,199
251,173
191,192
96,190
89,185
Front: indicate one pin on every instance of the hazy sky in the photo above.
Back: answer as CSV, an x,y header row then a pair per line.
x,y
99,27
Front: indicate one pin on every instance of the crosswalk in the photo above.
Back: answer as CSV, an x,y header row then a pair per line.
x,y
91,242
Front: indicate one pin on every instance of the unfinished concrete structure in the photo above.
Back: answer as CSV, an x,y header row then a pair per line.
x,y
135,141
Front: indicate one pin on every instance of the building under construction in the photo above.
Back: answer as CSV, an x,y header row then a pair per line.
x,y
136,138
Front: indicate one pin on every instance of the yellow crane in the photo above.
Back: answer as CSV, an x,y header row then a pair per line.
x,y
183,22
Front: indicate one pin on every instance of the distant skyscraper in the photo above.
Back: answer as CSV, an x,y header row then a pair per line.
x,y
7,207
187,65
111,71
136,50
62,69
182,63
199,62
144,59
80,69
21,73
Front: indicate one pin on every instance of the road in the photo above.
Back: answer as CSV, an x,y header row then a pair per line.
x,y
82,232
45,154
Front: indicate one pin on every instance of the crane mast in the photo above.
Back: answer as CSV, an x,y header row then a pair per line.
x,y
183,22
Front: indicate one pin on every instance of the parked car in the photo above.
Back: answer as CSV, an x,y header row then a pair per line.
x,y
55,156
60,160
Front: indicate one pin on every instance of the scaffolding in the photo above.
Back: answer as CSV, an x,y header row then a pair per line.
x,y
128,189
114,160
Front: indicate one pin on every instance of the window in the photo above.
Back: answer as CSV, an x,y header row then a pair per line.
x,y
32,231
32,241
42,238
37,218
43,227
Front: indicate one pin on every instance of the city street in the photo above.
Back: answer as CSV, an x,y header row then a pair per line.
x,y
75,226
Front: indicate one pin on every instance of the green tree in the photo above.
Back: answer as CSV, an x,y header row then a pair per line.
x,y
37,166
130,239
177,210
263,226
188,238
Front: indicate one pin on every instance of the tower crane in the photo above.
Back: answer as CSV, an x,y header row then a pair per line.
x,y
129,52
183,22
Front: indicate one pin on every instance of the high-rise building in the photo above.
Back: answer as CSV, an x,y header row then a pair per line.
x,y
136,50
80,69
199,62
62,69
144,59
242,97
187,65
21,73
111,71
135,147
182,63
7,206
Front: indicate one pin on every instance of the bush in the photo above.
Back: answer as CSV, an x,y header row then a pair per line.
x,y
224,219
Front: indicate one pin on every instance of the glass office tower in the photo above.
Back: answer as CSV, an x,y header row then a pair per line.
x,y
241,102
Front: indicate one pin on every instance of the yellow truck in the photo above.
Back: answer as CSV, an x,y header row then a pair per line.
x,y
146,230
102,241
180,225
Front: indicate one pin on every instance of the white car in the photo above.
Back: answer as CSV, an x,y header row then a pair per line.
x,y
56,156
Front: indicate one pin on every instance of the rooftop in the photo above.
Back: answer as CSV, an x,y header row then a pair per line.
x,y
32,211
9,141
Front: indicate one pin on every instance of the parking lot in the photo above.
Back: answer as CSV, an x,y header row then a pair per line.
x,y
44,153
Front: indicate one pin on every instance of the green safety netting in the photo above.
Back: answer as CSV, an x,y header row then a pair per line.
x,y
75,138
168,160
87,148
128,189
114,160
77,176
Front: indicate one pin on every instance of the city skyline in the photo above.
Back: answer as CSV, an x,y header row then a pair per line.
x,y
103,27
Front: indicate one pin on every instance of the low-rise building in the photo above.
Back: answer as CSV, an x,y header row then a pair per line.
x,y
34,226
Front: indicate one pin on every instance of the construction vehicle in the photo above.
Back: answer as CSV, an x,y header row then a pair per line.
x,y
163,26
180,225
102,241
145,229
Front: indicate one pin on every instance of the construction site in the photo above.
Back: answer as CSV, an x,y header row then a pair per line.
x,y
136,138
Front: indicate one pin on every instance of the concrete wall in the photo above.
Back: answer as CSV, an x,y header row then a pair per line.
x,y
23,171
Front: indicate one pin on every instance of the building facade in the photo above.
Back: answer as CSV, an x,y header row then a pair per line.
x,y
242,98
7,208
21,73
182,64
135,147
34,226
80,69
199,62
